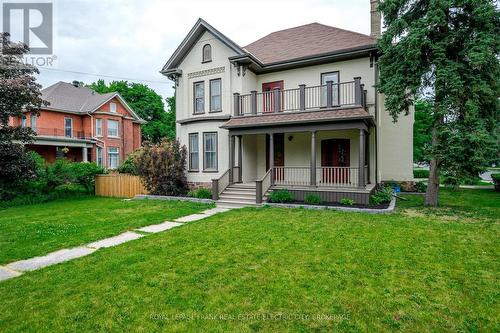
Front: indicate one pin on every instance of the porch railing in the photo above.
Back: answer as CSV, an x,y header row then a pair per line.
x,y
62,133
220,184
263,185
325,176
329,95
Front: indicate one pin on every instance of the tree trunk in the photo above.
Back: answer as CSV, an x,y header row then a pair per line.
x,y
431,196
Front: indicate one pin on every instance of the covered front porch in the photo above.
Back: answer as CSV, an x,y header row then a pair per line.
x,y
333,160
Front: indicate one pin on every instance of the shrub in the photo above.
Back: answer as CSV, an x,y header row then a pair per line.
x,y
84,174
203,193
382,196
495,177
128,166
312,199
281,196
420,173
162,168
68,190
421,187
347,201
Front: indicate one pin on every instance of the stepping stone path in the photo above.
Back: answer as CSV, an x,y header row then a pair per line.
x,y
17,268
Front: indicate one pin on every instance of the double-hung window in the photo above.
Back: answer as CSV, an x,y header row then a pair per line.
x,y
68,127
98,127
113,157
199,97
215,95
210,151
99,156
112,107
194,157
23,121
33,121
113,128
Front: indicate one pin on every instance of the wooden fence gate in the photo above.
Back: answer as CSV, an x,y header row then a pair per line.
x,y
118,185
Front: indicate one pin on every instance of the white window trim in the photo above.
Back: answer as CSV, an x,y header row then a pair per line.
x,y
117,129
71,134
205,168
100,127
118,156
99,149
111,109
190,135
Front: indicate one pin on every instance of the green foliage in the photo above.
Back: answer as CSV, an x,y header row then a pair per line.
x,y
84,174
382,196
495,177
421,187
67,190
147,104
420,173
202,193
281,196
422,127
312,199
448,52
347,201
162,167
128,166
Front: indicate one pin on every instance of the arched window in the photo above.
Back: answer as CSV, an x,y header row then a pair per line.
x,y
207,53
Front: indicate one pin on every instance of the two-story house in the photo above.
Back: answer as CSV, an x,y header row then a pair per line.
x,y
82,125
296,109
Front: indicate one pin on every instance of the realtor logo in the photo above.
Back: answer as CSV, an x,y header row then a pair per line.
x,y
30,23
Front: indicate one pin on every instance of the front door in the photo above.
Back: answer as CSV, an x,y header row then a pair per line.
x,y
335,160
279,155
268,94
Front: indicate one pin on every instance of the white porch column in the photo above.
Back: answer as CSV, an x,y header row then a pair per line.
x,y
85,154
240,160
231,158
361,161
313,158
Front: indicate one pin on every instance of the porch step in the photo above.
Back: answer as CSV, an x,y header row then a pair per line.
x,y
242,186
239,191
245,197
236,202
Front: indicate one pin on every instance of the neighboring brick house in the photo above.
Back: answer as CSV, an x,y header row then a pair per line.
x,y
82,125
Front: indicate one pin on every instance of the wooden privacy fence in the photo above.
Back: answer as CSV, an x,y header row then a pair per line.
x,y
118,185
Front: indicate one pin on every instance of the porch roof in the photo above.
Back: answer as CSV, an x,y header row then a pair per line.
x,y
298,117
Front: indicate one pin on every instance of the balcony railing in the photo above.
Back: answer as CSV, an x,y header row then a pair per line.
x,y
327,96
62,133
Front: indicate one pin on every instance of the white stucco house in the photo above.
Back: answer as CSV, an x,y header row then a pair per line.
x,y
295,109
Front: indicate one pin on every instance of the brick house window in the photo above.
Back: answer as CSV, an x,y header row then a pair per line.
x,y
113,157
23,121
33,118
98,127
99,156
112,107
113,128
68,127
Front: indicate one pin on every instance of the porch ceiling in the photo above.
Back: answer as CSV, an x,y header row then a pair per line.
x,y
298,117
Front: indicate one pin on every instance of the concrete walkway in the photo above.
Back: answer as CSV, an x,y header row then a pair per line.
x,y
17,268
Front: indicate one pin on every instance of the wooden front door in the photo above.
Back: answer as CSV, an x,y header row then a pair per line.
x,y
279,154
335,153
268,94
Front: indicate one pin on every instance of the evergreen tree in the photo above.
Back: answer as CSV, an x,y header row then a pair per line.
x,y
448,52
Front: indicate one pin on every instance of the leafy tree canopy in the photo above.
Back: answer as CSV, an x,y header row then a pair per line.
x,y
422,130
448,52
147,104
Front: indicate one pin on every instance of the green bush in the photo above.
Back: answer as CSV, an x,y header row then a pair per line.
x,y
347,201
312,199
203,193
84,174
128,166
420,173
495,177
382,196
281,196
68,190
421,187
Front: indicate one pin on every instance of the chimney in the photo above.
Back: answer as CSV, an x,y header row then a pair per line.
x,y
375,24
75,83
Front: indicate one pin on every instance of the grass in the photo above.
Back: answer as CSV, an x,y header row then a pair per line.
x,y
271,269
33,230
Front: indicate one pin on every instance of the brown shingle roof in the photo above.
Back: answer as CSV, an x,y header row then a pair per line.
x,y
296,117
305,41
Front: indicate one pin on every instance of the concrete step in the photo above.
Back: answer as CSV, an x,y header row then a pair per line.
x,y
243,186
225,195
238,201
240,191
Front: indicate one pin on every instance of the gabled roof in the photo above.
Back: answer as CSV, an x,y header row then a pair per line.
x,y
306,41
66,97
192,37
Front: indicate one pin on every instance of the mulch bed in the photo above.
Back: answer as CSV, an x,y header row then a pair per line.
x,y
337,204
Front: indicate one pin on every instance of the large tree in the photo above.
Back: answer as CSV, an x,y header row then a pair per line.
x,y
19,93
422,130
147,104
448,52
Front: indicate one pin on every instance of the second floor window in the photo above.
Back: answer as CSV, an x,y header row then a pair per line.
x,y
33,121
112,107
23,121
193,152
68,127
113,128
207,53
215,95
98,127
199,97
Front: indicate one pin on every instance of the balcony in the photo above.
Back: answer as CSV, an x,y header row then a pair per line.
x,y
322,97
62,133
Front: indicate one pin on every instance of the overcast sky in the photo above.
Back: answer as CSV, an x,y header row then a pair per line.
x,y
133,39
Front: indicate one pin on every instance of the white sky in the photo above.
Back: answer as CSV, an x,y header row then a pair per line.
x,y
134,39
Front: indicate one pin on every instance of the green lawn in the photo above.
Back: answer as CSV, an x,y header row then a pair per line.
x,y
28,231
276,270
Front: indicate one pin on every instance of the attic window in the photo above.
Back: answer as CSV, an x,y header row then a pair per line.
x,y
207,53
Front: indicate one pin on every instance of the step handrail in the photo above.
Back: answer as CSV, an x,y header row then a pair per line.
x,y
220,184
263,185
